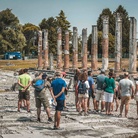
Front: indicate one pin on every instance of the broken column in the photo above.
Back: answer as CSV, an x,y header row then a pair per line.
x,y
39,49
118,42
84,48
51,65
59,49
66,52
105,42
133,45
75,48
45,48
94,48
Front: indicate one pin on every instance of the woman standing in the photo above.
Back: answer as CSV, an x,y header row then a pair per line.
x,y
83,87
109,92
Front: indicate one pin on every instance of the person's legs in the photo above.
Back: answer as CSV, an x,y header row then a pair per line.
x,y
20,96
97,100
106,102
127,100
28,105
122,105
27,98
88,103
38,114
102,105
85,104
59,108
117,104
58,116
19,105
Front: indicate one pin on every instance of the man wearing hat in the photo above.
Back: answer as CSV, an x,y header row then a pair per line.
x,y
125,87
41,98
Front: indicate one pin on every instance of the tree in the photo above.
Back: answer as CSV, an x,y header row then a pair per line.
x,y
64,24
11,36
51,25
30,31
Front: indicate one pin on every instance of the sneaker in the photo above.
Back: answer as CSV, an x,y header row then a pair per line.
x,y
86,114
18,111
50,119
29,111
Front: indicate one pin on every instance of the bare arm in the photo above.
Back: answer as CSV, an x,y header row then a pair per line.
x,y
63,89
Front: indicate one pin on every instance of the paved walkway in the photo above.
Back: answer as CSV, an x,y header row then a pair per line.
x,y
24,125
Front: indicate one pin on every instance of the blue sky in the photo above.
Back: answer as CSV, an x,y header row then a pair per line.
x,y
80,13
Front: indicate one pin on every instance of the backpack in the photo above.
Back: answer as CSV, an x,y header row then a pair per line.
x,y
82,89
39,85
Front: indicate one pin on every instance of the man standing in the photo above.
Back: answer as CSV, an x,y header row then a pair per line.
x,y
24,82
41,98
99,91
91,91
124,88
57,88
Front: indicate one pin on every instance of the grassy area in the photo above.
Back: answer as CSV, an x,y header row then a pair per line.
x,y
32,63
16,64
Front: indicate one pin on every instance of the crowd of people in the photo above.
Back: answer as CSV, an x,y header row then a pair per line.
x,y
102,89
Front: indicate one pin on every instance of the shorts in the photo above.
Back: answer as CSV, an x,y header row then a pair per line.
x,y
108,97
83,95
91,94
136,97
100,95
60,105
24,95
125,100
42,100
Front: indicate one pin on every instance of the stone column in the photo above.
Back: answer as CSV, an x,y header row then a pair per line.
x,y
133,45
39,49
84,48
105,42
118,42
51,65
94,48
66,52
45,48
75,48
59,49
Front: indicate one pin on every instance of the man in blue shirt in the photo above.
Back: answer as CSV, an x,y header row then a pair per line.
x,y
91,90
58,87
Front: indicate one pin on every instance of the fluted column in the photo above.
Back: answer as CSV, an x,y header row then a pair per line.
x,y
105,42
118,42
84,49
59,49
94,48
75,48
66,52
39,49
133,45
45,48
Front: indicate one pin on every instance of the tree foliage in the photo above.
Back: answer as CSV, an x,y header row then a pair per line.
x,y
30,31
11,36
125,29
52,24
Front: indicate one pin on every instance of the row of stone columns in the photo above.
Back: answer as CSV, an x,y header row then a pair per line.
x,y
94,47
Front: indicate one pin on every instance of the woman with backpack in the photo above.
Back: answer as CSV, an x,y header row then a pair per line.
x,y
83,94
